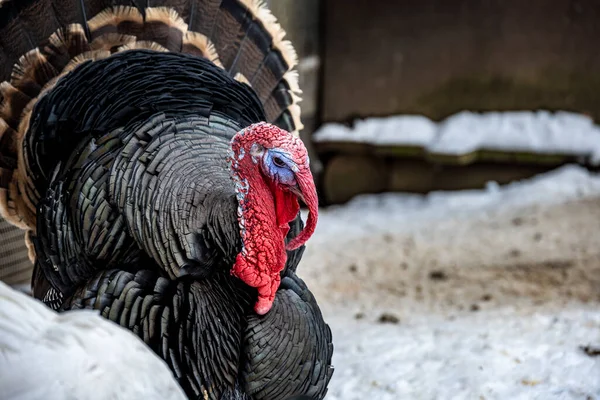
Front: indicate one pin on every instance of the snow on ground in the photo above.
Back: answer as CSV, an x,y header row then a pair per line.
x,y
483,294
463,133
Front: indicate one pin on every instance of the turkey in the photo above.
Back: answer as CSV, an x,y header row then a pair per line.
x,y
33,337
150,151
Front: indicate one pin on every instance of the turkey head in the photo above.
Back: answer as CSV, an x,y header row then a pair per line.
x,y
270,170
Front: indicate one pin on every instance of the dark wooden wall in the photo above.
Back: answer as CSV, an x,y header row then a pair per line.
x,y
437,57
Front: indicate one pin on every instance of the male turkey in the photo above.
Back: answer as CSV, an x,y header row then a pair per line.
x,y
137,153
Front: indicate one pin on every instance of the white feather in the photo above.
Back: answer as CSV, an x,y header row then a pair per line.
x,y
74,355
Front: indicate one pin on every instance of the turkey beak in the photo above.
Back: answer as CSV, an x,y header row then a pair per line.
x,y
297,192
307,192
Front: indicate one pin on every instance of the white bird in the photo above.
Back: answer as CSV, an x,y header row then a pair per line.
x,y
74,355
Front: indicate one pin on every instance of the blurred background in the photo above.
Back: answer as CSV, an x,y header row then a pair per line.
x,y
456,147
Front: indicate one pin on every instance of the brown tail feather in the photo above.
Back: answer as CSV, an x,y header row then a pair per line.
x,y
112,41
203,15
41,40
32,72
66,44
198,44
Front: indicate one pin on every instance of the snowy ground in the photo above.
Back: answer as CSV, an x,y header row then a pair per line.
x,y
468,295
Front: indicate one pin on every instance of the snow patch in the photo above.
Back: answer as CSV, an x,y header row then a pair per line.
x,y
539,132
414,130
494,356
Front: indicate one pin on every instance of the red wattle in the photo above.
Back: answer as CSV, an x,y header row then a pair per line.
x,y
265,217
266,282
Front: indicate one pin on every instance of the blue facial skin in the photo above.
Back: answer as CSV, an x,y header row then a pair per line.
x,y
280,167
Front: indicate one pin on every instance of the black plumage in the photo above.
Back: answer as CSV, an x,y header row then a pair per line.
x,y
115,161
160,141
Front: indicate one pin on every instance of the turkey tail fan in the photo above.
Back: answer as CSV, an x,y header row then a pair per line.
x,y
250,43
42,40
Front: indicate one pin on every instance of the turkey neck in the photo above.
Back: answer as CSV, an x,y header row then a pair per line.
x,y
264,214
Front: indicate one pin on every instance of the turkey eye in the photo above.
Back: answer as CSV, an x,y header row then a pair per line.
x,y
279,162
